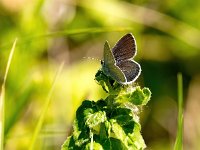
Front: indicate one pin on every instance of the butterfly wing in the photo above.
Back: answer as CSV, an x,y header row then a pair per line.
x,y
125,48
109,65
131,70
107,54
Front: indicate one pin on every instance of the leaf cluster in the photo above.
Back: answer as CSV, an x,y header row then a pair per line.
x,y
110,123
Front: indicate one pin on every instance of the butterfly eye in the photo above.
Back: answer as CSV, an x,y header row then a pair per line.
x,y
102,62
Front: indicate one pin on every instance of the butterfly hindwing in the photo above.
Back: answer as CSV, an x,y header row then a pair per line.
x,y
125,48
131,70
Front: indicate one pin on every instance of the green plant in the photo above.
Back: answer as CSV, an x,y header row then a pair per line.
x,y
110,123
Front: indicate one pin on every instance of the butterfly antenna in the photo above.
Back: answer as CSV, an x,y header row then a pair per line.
x,y
92,58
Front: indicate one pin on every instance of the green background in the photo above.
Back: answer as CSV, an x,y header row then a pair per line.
x,y
52,31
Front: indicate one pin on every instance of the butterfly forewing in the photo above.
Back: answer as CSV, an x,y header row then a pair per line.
x,y
130,69
109,65
108,56
125,48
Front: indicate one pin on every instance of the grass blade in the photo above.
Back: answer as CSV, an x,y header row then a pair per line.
x,y
2,93
46,105
179,136
2,97
91,30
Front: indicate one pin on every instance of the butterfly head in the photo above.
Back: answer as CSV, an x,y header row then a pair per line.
x,y
102,62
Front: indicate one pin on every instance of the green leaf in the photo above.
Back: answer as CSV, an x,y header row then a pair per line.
x,y
116,144
136,139
69,144
140,96
125,140
137,97
95,119
96,146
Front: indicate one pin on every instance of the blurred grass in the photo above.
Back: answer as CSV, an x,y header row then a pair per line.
x,y
26,39
145,16
2,97
44,110
179,135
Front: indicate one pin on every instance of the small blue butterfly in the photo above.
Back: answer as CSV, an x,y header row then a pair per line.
x,y
118,63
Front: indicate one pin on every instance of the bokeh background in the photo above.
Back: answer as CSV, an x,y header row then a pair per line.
x,y
52,31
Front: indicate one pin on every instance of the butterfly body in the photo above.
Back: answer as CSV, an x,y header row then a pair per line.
x,y
118,63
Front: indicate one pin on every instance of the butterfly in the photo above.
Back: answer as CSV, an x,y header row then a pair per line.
x,y
118,63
